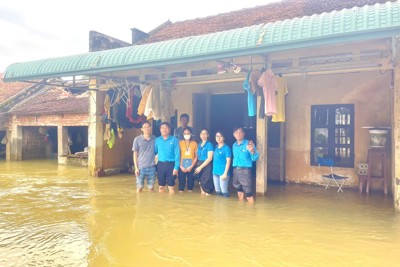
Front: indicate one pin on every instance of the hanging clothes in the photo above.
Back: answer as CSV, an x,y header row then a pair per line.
x,y
129,104
107,132
254,87
167,109
280,100
143,101
270,87
134,98
249,122
153,103
251,97
111,141
148,111
107,104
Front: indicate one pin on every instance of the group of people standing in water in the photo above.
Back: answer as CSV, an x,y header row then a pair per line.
x,y
179,155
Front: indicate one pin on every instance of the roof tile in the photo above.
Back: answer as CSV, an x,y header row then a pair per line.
x,y
8,90
54,100
285,9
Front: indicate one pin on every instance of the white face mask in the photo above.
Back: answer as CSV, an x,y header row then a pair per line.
x,y
187,136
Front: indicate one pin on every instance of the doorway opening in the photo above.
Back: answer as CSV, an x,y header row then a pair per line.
x,y
229,111
79,138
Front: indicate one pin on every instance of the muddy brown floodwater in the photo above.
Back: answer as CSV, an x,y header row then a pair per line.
x,y
53,215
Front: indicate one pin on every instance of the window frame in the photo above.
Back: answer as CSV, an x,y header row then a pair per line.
x,y
332,131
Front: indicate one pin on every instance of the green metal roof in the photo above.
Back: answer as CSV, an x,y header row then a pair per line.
x,y
358,23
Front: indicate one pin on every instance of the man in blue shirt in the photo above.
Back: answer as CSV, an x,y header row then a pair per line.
x,y
244,154
167,149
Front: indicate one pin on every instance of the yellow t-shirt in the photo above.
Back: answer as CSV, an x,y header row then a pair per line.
x,y
188,151
280,100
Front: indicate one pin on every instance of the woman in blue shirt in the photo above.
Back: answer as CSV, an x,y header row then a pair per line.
x,y
221,163
205,153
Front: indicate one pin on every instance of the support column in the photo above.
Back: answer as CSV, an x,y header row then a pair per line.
x,y
16,143
8,145
282,152
95,132
262,147
63,146
396,126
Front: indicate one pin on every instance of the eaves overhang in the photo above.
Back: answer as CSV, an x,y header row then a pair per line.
x,y
347,25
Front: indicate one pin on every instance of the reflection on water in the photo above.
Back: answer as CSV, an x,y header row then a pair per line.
x,y
54,215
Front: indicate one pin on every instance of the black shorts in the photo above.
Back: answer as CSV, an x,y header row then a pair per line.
x,y
164,173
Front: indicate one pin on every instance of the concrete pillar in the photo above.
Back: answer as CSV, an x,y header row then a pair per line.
x,y
63,147
95,131
282,153
262,147
396,127
8,145
16,143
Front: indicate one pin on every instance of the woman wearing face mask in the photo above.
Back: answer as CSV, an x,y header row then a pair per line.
x,y
204,169
188,160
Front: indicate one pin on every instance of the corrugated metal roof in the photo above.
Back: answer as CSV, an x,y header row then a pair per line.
x,y
358,23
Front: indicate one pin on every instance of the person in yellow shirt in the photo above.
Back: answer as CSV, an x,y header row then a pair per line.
x,y
188,160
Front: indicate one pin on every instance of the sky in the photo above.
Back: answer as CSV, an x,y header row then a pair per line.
x,y
40,29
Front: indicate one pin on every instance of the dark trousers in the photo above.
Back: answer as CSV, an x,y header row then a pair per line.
x,y
164,173
206,179
182,177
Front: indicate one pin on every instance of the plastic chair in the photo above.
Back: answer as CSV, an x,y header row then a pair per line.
x,y
331,179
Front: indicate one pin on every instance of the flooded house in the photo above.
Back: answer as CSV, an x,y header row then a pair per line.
x,y
45,122
335,65
9,94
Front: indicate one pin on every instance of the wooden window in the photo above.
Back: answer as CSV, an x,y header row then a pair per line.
x,y
332,134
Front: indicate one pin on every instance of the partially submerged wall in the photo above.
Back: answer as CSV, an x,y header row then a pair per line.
x,y
370,94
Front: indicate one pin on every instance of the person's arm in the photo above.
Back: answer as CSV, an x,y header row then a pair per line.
x,y
194,161
253,151
254,156
135,162
155,147
206,162
227,166
177,155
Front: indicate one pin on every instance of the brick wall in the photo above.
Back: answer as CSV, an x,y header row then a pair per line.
x,y
34,144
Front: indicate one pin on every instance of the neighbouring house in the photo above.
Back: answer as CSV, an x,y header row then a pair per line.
x,y
50,122
9,95
338,59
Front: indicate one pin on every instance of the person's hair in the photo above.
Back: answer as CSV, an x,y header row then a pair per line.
x,y
237,128
165,123
184,115
187,128
146,122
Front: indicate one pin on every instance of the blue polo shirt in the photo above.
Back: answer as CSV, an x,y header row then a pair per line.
x,y
202,151
219,159
241,156
168,150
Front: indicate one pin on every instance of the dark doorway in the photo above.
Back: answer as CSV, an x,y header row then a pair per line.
x,y
201,113
275,152
229,111
79,138
223,112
